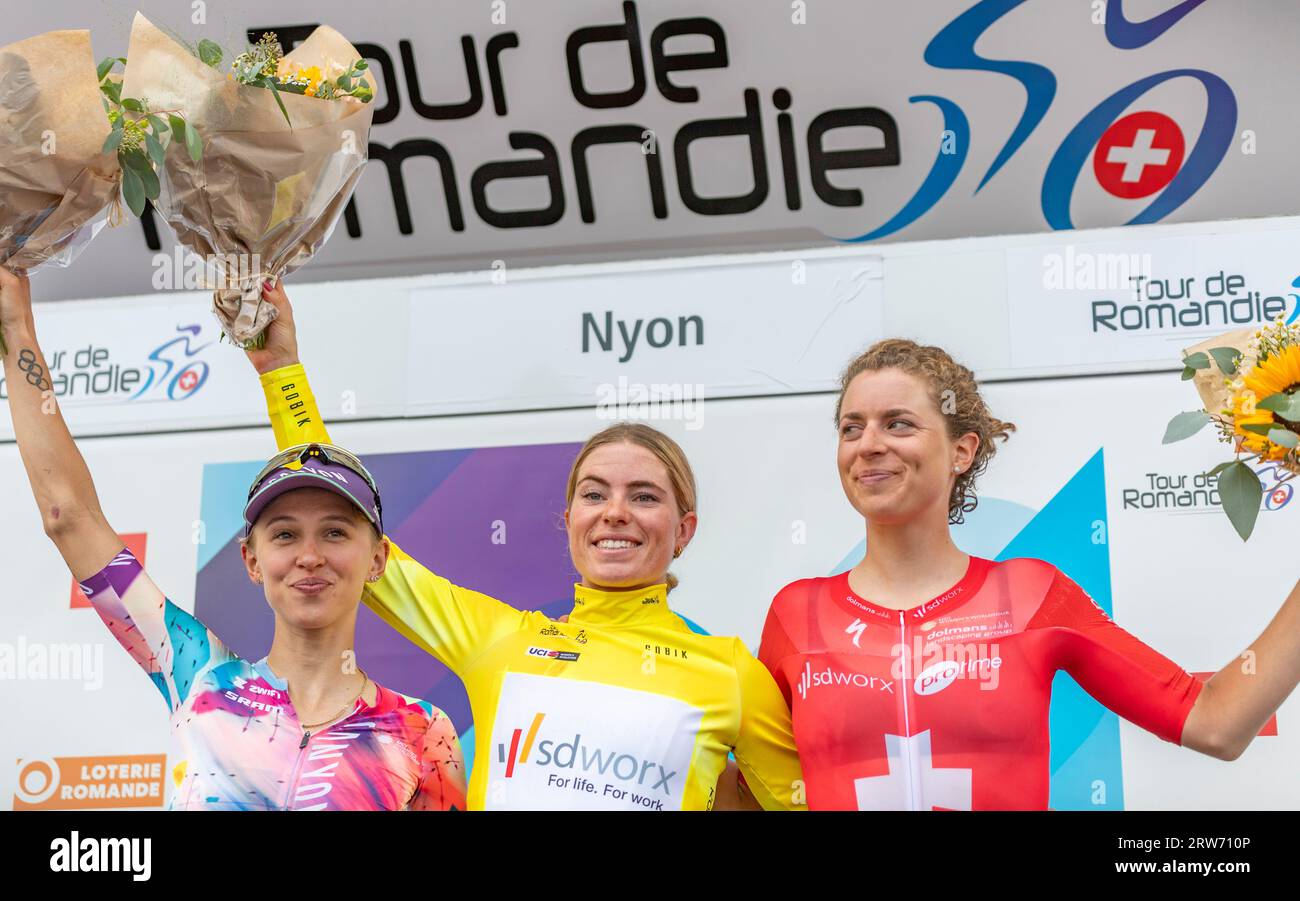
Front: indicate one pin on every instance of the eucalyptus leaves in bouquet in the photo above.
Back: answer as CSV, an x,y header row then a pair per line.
x,y
140,135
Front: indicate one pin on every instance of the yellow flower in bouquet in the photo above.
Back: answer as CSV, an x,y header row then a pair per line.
x,y
309,79
1273,375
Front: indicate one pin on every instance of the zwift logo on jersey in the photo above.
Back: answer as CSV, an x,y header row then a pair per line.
x,y
810,679
587,760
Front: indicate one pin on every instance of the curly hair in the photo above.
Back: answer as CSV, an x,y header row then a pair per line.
x,y
954,392
680,476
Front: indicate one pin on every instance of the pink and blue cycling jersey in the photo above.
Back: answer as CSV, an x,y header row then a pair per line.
x,y
236,739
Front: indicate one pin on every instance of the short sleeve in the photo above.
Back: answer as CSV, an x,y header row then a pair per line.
x,y
774,647
1121,672
765,749
172,646
442,768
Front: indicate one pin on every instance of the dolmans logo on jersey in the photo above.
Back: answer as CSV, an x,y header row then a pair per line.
x,y
567,744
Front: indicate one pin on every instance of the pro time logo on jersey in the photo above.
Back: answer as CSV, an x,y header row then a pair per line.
x,y
938,676
569,744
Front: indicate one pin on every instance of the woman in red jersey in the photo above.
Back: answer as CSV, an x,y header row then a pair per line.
x,y
921,678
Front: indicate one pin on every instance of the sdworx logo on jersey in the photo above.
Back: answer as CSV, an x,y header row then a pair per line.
x,y
561,743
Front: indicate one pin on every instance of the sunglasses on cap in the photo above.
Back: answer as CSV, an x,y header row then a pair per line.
x,y
295,457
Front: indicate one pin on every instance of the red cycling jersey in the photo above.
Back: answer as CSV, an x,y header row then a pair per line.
x,y
945,705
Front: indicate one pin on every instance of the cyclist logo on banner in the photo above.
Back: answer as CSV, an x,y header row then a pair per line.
x,y
173,373
1133,155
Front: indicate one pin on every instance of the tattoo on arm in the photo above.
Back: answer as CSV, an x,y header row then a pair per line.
x,y
28,363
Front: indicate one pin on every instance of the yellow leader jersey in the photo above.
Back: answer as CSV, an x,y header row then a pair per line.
x,y
621,708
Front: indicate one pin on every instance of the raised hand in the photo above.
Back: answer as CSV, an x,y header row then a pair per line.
x,y
281,348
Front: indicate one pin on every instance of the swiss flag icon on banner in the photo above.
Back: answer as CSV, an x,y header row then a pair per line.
x,y
1270,728
1139,154
135,543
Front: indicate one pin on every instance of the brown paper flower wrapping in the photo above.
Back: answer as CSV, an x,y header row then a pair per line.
x,y
1212,383
265,196
56,184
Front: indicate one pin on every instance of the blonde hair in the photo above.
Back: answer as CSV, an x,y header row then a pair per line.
x,y
680,476
953,390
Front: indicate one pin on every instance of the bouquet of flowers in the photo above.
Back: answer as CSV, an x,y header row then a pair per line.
x,y
1249,381
68,140
285,139
56,180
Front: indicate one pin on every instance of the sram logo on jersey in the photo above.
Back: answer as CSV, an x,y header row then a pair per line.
x,y
568,744
810,679
553,654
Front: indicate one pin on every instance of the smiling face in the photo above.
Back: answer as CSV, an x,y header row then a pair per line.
x,y
895,457
623,518
313,551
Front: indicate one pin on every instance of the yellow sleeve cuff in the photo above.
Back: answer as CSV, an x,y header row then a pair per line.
x,y
295,417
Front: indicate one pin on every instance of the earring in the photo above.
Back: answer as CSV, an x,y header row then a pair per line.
x,y
257,579
677,553
373,579
956,469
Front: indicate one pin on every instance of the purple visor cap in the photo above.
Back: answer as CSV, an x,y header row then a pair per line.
x,y
314,473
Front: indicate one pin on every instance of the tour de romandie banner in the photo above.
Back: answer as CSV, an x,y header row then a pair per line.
x,y
520,133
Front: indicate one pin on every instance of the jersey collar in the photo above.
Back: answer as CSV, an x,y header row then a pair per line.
x,y
969,585
384,699
598,607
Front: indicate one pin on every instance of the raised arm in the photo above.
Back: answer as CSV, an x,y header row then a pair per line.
x,y
167,642
60,480
1219,717
1240,698
450,622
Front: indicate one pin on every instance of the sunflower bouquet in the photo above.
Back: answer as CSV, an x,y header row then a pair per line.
x,y
1250,384
285,140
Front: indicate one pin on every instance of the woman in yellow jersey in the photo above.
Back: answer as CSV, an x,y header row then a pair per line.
x,y
622,706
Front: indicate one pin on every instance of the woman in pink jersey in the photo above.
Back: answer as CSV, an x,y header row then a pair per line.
x,y
304,728
920,679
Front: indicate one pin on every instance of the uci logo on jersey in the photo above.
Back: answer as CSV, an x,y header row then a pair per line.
x,y
566,656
